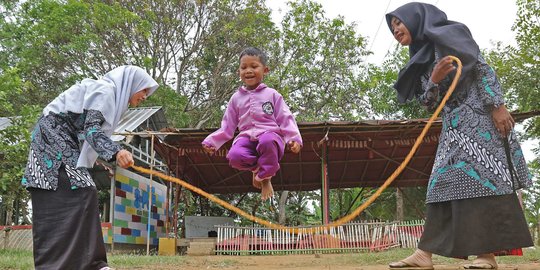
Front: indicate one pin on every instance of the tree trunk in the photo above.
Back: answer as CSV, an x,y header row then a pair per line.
x,y
399,204
9,215
2,214
281,206
538,232
9,211
17,212
340,203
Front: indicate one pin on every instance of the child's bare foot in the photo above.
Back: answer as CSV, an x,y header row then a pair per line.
x,y
257,184
267,191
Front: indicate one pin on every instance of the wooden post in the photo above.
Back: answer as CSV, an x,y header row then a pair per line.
x,y
325,193
176,198
399,204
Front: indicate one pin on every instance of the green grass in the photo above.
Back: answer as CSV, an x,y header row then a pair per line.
x,y
15,259
22,260
138,261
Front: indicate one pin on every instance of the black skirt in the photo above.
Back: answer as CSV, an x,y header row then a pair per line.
x,y
66,228
475,226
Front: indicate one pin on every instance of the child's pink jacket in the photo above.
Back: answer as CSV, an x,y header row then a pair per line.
x,y
255,112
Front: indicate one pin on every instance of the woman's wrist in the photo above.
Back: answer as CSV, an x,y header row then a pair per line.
x,y
432,84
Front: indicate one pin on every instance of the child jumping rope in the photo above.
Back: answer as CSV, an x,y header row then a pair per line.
x,y
265,123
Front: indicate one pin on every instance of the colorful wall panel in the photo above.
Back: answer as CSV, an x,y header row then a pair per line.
x,y
106,230
133,215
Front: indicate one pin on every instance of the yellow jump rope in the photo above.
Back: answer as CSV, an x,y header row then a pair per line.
x,y
342,220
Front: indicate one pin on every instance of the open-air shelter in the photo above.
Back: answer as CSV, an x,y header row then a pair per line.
x,y
335,155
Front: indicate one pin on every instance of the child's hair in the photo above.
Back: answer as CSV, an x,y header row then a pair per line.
x,y
252,51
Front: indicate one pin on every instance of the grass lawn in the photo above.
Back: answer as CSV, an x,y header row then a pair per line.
x,y
13,259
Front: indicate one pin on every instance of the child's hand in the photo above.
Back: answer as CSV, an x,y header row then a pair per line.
x,y
294,147
209,149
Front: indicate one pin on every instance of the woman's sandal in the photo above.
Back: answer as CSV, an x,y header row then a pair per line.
x,y
405,266
481,263
479,266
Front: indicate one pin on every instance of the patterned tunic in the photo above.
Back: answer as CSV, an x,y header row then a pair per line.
x,y
471,160
56,140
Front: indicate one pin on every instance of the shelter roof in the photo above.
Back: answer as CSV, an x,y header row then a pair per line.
x,y
5,122
359,154
140,118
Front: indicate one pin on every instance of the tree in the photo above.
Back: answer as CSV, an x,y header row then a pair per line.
x,y
381,95
215,78
315,64
531,201
14,145
519,67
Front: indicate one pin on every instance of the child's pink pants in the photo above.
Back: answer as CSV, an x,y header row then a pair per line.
x,y
264,154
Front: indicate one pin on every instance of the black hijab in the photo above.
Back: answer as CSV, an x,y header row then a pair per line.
x,y
430,29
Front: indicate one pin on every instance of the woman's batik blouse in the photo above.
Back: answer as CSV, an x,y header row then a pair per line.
x,y
57,140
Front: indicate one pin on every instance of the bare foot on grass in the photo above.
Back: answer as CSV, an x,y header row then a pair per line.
x,y
267,191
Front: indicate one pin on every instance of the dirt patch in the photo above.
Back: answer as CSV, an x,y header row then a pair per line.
x,y
301,262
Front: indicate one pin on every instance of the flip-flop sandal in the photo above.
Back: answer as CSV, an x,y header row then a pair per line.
x,y
405,266
479,266
481,263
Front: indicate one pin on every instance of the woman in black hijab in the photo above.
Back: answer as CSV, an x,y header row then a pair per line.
x,y
472,206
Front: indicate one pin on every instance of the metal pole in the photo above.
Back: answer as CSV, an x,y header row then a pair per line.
x,y
111,214
150,198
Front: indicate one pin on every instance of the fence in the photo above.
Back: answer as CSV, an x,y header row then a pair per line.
x,y
16,237
353,237
20,236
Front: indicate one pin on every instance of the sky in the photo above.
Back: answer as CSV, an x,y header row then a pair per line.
x,y
489,21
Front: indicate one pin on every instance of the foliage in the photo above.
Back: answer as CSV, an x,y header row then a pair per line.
x,y
531,201
381,95
315,64
519,71
55,43
14,145
519,67
345,201
173,106
237,24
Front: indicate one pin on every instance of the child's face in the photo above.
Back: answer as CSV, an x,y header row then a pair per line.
x,y
252,71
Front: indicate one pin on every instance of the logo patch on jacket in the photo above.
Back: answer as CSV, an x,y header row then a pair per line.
x,y
268,108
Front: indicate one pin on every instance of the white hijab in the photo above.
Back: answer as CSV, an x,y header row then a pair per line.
x,y
110,95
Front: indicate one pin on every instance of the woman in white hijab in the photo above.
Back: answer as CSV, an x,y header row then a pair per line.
x,y
73,131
